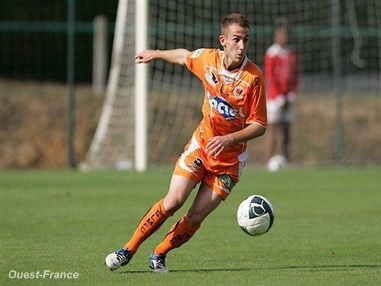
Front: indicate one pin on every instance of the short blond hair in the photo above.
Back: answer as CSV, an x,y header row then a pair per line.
x,y
234,18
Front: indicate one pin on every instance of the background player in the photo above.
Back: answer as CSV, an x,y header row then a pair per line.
x,y
281,69
234,111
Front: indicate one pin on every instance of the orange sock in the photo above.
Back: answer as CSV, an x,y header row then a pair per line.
x,y
150,223
179,234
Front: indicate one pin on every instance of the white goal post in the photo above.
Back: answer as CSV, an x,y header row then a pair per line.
x,y
108,148
141,29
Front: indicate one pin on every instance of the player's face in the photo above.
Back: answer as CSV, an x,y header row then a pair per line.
x,y
281,36
235,40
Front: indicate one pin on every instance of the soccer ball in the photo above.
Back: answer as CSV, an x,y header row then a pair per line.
x,y
255,215
276,163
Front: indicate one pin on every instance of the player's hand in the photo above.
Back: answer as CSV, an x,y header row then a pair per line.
x,y
144,57
217,144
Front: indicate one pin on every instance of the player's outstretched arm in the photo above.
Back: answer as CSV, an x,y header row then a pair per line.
x,y
176,56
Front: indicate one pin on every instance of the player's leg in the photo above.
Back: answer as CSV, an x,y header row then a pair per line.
x,y
179,190
182,183
274,116
286,140
205,202
289,117
270,143
212,191
181,232
149,224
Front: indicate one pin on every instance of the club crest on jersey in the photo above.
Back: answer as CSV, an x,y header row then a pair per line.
x,y
224,108
238,91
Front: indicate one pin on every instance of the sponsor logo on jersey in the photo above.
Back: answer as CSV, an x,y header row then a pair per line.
x,y
224,108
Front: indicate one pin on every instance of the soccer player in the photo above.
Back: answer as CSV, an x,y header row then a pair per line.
x,y
234,111
281,69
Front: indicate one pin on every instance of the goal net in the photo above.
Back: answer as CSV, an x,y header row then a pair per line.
x,y
339,47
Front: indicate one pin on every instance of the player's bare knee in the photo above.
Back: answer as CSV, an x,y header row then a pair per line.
x,y
171,205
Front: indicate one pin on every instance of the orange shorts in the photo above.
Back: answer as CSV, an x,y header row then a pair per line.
x,y
193,163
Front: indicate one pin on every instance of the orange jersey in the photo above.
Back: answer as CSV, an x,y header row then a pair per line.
x,y
233,100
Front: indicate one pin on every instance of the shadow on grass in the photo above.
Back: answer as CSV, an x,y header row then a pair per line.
x,y
191,270
328,267
292,267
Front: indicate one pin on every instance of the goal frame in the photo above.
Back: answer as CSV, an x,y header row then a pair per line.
x,y
141,74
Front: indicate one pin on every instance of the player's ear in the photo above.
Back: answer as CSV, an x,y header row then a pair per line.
x,y
222,40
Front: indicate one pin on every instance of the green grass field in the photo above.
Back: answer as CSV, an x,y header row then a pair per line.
x,y
327,229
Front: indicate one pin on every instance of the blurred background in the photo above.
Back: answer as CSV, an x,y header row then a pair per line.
x,y
56,55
